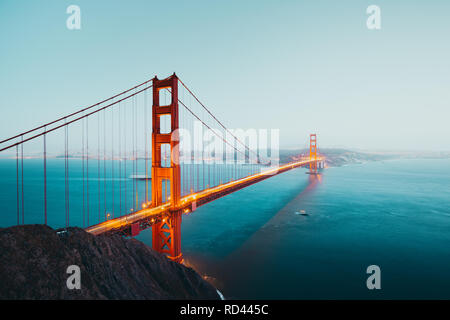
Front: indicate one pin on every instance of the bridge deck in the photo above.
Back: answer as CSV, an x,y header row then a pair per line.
x,y
148,216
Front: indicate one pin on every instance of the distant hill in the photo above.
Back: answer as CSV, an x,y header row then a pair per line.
x,y
338,157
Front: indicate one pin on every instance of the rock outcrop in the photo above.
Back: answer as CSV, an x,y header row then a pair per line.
x,y
34,261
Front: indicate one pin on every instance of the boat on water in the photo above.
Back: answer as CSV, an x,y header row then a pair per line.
x,y
140,177
302,212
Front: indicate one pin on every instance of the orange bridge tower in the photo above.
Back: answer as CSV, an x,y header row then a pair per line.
x,y
166,235
313,153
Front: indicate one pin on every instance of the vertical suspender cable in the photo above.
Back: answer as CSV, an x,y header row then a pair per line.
x,y
146,146
112,159
120,161
68,179
23,202
104,164
45,177
132,151
181,148
125,159
87,169
98,164
203,160
82,166
17,183
136,150
66,175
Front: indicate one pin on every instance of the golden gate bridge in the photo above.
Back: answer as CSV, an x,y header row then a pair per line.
x,y
102,156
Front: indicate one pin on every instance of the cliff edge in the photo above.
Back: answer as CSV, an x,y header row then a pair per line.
x,y
34,261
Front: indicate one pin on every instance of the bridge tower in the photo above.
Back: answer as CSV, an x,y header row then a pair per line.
x,y
313,153
166,237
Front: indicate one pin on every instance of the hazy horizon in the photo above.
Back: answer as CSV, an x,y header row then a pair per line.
x,y
297,66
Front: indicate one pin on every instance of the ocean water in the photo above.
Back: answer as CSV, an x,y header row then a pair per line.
x,y
253,244
394,214
110,192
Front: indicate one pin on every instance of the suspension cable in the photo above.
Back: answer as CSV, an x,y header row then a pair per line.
x,y
220,123
74,120
74,113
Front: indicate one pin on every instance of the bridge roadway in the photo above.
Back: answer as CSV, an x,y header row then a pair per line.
x,y
147,216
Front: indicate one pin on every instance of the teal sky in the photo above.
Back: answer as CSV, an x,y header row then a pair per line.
x,y
300,66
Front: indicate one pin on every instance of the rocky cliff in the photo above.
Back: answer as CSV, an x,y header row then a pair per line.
x,y
34,261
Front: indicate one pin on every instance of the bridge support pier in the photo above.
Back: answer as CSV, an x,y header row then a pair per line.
x,y
166,237
166,234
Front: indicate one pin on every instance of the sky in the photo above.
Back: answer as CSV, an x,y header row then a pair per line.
x,y
298,66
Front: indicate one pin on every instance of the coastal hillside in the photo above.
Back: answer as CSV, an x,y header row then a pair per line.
x,y
336,157
34,261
